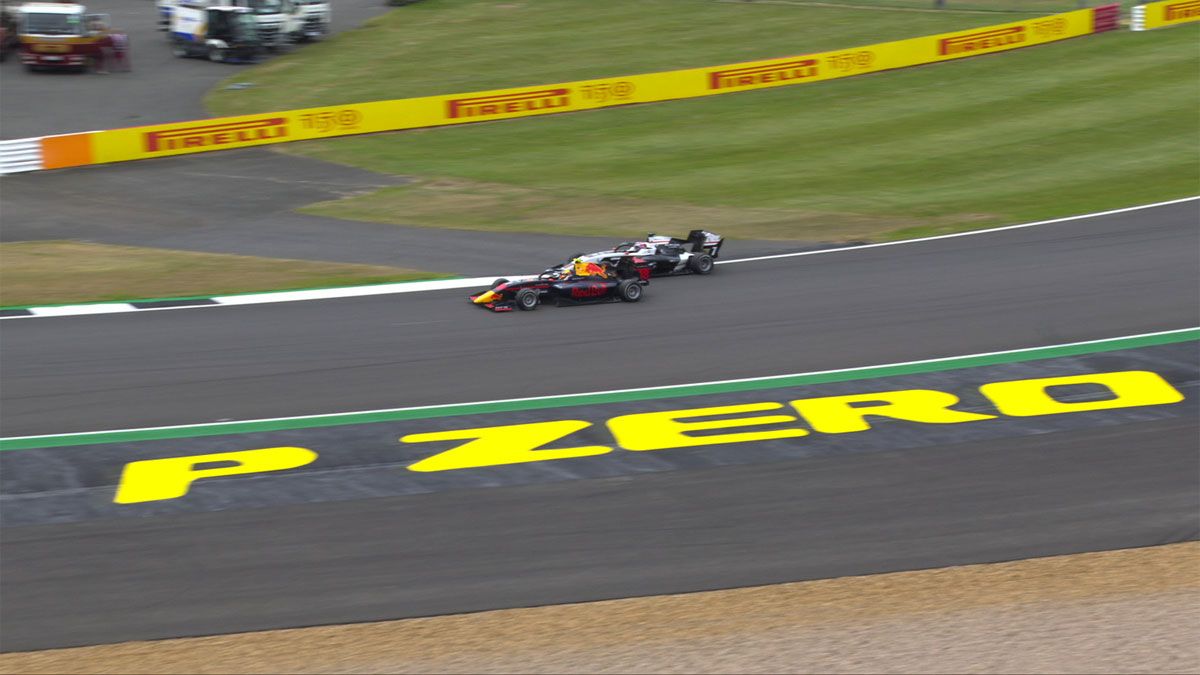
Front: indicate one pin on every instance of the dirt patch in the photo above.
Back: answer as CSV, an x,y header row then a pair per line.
x,y
470,205
57,272
1134,610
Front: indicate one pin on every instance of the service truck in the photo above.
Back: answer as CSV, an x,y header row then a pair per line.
x,y
164,9
278,21
59,35
222,34
316,16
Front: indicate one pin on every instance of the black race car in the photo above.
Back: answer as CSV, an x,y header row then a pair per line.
x,y
589,283
665,256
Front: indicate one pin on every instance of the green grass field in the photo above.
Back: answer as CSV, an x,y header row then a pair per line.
x,y
1025,6
1092,123
447,46
58,272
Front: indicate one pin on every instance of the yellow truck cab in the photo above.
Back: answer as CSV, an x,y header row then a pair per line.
x,y
59,35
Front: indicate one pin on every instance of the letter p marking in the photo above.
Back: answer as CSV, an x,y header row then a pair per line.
x,y
151,480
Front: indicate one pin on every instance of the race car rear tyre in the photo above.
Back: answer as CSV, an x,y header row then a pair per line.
x,y
216,54
499,281
701,264
527,299
629,290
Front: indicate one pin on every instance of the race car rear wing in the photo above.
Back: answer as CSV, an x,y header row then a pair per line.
x,y
697,241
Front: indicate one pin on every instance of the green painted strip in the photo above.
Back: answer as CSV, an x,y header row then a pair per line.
x,y
451,410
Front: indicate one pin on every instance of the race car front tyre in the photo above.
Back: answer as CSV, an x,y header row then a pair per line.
x,y
701,263
499,281
527,299
629,290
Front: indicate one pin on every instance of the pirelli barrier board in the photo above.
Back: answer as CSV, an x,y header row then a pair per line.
x,y
1163,14
163,140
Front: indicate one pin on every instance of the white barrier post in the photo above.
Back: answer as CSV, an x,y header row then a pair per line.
x,y
1138,18
19,155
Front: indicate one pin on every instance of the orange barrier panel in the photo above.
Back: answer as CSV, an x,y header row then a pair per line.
x,y
60,152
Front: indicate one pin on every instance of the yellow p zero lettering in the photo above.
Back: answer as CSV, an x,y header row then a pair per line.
x,y
663,430
840,415
150,480
1130,389
511,444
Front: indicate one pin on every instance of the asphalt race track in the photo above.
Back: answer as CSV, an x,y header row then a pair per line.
x,y
463,550
1123,274
949,502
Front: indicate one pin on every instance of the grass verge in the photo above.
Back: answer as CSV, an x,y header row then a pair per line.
x,y
58,272
447,46
980,6
1089,124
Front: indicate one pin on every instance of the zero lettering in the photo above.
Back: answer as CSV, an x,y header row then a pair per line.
x,y
845,414
669,429
1029,398
510,444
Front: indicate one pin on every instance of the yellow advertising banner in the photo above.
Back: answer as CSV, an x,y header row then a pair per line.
x,y
1162,14
225,133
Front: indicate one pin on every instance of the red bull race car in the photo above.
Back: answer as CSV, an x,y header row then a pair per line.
x,y
666,256
576,283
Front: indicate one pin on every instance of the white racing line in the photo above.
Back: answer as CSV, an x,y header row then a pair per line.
x,y
475,282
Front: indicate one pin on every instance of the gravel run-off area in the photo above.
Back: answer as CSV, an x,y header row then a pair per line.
x,y
1128,611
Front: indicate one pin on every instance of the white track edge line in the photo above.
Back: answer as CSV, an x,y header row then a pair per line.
x,y
767,378
383,289
965,234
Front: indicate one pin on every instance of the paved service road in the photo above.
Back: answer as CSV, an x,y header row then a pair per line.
x,y
161,88
1115,275
185,203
